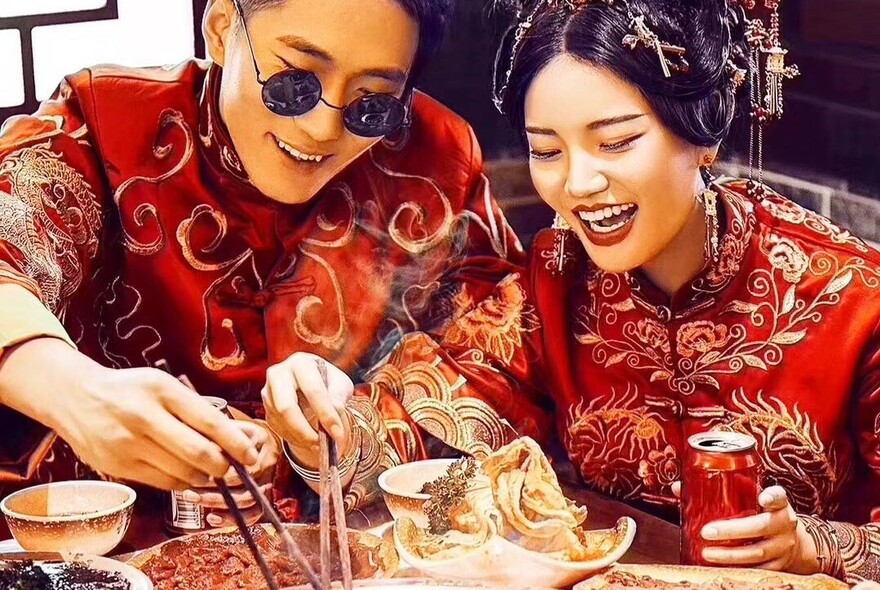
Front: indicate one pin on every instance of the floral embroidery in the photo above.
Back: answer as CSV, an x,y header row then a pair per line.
x,y
701,337
737,236
611,440
788,257
653,334
661,469
497,324
776,317
794,213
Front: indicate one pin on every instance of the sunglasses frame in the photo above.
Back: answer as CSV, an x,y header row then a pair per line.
x,y
406,103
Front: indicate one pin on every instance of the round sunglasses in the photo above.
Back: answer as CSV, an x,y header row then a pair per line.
x,y
295,92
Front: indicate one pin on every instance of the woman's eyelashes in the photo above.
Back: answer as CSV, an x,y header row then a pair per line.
x,y
620,146
610,148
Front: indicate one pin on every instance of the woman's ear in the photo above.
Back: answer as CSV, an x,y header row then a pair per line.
x,y
707,157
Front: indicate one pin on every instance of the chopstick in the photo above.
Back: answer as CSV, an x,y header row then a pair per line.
x,y
245,531
290,545
329,473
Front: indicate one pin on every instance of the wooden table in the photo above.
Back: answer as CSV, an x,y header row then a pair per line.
x,y
657,541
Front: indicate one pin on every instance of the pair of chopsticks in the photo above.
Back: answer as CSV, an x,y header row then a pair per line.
x,y
290,545
329,475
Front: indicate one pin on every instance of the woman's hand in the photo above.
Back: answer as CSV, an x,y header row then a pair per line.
x,y
303,393
779,540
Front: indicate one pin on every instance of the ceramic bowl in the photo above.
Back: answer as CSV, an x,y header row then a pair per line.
x,y
500,562
401,487
70,516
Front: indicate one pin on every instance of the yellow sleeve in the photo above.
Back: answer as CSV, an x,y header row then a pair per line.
x,y
23,317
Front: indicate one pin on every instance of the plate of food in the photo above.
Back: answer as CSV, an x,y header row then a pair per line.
x,y
68,571
220,560
507,522
676,577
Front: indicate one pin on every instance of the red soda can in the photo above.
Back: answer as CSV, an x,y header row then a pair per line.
x,y
720,481
182,517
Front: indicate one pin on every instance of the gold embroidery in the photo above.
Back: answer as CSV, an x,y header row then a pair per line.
x,y
614,441
237,356
794,213
42,183
410,231
184,238
642,347
348,223
465,423
788,257
652,334
112,295
701,337
409,437
709,348
377,453
661,469
740,227
859,550
332,341
785,317
791,449
497,324
168,119
462,303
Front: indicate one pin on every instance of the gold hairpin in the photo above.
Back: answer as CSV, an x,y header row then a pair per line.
x,y
643,34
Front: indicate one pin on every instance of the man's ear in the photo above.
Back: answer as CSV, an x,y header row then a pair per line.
x,y
217,27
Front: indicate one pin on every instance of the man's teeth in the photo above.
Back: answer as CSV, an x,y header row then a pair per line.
x,y
604,213
298,155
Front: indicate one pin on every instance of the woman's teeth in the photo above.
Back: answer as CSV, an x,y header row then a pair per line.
x,y
298,155
608,219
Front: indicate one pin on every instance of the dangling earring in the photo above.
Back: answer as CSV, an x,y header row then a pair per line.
x,y
709,200
560,256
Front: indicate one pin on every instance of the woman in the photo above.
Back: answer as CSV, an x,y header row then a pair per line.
x,y
672,304
240,219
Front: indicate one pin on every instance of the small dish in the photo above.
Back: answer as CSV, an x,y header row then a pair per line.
x,y
401,487
89,517
503,563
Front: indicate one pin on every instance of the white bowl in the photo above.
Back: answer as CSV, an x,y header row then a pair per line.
x,y
501,562
401,484
88,517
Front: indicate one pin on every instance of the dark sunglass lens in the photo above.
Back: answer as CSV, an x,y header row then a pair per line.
x,y
291,93
374,115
